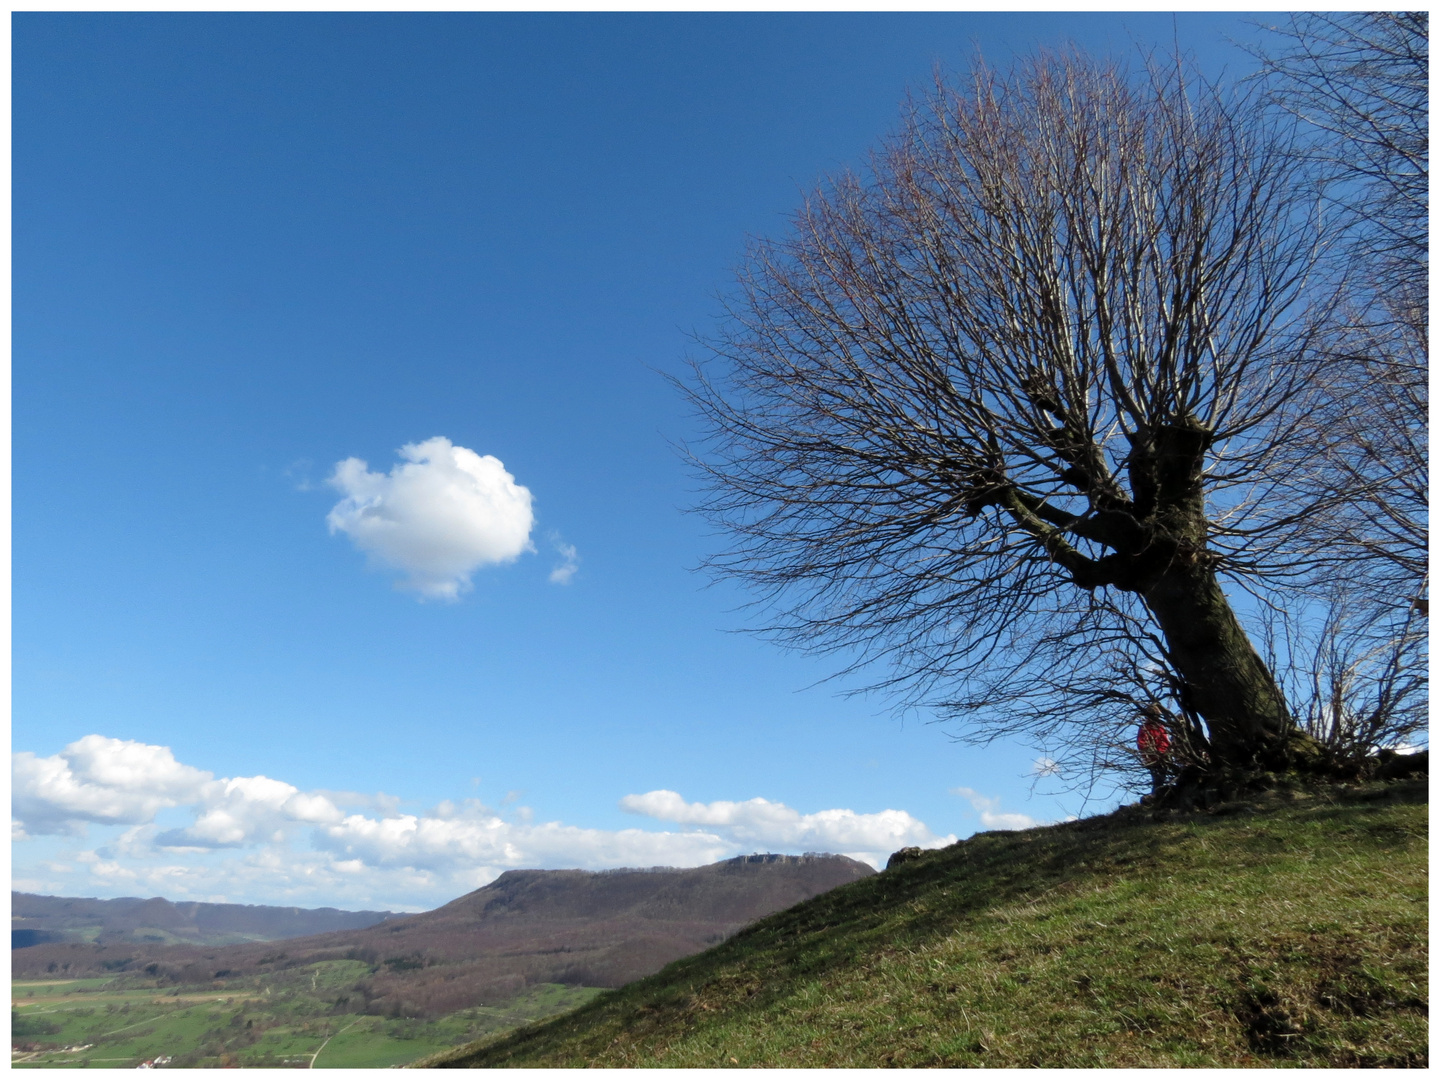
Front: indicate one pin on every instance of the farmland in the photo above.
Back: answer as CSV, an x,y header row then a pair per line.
x,y
297,1018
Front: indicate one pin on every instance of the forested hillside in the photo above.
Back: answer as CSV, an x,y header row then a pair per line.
x,y
526,928
36,920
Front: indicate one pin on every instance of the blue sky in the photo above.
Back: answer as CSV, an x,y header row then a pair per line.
x,y
248,248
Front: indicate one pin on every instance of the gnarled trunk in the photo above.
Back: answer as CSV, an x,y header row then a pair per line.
x,y
1227,682
1229,685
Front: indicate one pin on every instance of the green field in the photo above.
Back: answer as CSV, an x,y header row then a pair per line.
x,y
287,1019
1281,935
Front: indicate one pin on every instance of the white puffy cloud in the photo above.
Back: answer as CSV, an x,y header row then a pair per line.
x,y
477,836
122,782
249,808
440,516
760,822
95,779
990,817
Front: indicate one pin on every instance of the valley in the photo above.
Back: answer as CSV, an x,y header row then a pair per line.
x,y
280,1020
531,944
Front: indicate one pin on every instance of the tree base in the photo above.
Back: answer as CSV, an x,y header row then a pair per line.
x,y
1196,789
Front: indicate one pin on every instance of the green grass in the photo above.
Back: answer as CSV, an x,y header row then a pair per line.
x,y
60,986
1295,936
285,1017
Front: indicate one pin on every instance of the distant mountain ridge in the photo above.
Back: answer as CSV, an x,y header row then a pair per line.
x,y
576,927
37,920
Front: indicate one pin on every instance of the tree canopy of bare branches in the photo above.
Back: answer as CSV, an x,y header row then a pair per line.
x,y
1354,654
1360,83
1004,412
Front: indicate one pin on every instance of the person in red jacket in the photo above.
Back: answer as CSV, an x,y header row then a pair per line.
x,y
1153,742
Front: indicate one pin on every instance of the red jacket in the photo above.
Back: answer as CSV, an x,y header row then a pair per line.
x,y
1153,739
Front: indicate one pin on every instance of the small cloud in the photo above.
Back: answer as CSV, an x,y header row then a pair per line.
x,y
298,472
439,517
1045,766
570,562
990,817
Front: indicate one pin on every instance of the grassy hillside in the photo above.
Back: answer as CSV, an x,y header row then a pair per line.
x,y
1294,934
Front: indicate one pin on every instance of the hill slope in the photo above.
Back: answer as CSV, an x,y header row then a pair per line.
x,y
525,928
1295,936
35,920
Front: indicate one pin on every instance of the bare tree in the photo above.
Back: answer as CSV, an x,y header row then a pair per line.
x,y
1005,412
1360,83
1367,458
1355,672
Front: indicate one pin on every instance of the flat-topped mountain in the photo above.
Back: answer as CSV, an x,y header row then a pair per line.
x,y
726,892
528,926
36,920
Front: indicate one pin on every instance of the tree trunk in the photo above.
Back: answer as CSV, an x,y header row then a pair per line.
x,y
1229,685
1250,727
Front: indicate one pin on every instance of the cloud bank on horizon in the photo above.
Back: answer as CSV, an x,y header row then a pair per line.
x,y
761,821
262,840
439,516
